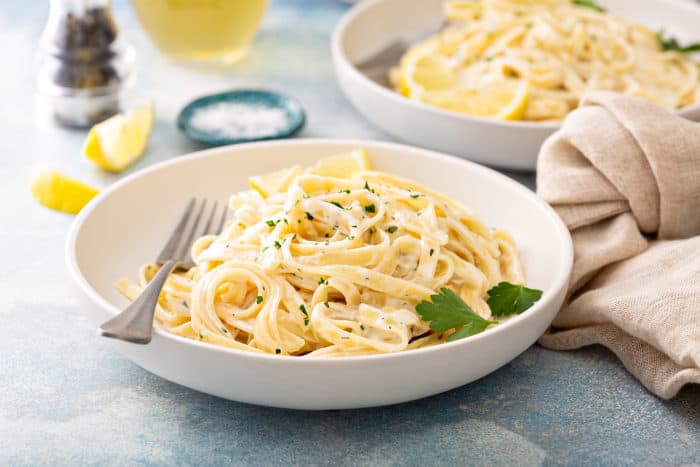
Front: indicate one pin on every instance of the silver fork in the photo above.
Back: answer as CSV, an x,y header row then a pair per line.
x,y
377,65
135,322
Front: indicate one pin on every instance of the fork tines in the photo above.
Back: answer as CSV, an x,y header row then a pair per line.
x,y
189,228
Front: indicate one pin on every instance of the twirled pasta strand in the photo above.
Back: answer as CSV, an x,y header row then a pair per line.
x,y
563,51
332,267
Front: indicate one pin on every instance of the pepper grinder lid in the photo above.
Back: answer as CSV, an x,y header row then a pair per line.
x,y
84,63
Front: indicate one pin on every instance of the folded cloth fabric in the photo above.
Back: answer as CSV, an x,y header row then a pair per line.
x,y
624,175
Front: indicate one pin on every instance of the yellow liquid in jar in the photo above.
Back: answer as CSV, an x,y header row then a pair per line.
x,y
208,30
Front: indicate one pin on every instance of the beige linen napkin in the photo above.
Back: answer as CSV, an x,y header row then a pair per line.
x,y
624,175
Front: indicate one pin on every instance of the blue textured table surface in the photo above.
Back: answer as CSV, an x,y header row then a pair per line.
x,y
67,399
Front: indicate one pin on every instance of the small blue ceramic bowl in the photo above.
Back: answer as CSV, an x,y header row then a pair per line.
x,y
241,116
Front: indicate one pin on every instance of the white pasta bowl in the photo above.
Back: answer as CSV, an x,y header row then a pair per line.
x,y
127,224
372,25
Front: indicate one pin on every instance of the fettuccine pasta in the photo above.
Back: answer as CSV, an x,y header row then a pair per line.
x,y
331,261
558,49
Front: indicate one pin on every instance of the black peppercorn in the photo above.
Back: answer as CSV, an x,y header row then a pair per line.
x,y
85,62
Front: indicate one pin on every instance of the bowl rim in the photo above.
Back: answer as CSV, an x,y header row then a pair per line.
x,y
338,53
565,262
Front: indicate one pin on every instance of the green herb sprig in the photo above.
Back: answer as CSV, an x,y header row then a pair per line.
x,y
447,310
589,4
671,44
509,299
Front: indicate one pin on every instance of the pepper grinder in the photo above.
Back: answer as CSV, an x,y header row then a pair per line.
x,y
84,62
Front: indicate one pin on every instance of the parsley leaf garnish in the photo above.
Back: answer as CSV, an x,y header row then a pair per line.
x,y
392,229
309,216
588,4
335,203
370,208
447,311
509,299
306,314
259,299
278,245
270,222
672,44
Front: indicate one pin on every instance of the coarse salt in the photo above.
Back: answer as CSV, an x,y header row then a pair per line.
x,y
236,120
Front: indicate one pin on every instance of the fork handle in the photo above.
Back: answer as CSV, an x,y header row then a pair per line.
x,y
135,322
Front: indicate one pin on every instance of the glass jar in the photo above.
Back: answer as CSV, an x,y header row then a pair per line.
x,y
201,31
83,63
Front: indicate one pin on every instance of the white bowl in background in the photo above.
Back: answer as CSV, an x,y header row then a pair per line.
x,y
126,225
372,25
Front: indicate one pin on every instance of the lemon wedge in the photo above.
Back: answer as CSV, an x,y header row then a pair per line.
x,y
424,68
275,182
501,100
425,75
57,191
119,141
345,165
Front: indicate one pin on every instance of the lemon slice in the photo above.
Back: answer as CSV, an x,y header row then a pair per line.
x,y
119,141
502,100
424,68
425,75
57,191
275,182
343,165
